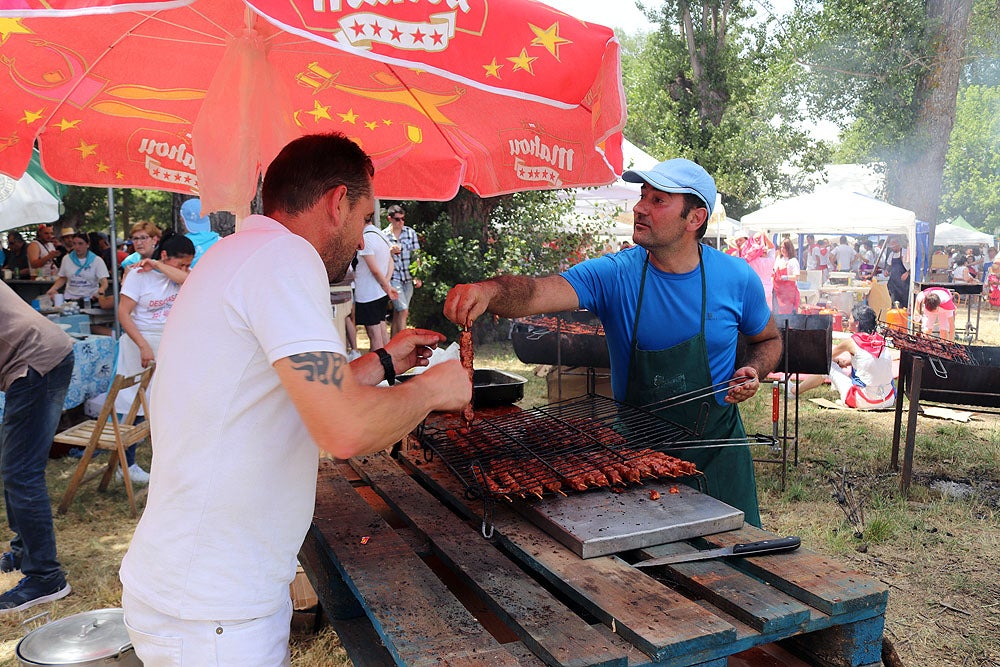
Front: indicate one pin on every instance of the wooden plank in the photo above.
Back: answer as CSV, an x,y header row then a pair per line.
x,y
818,581
857,644
662,623
746,598
544,624
418,619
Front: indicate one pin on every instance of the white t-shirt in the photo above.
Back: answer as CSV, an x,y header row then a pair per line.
x,y
82,282
843,254
233,480
366,288
154,295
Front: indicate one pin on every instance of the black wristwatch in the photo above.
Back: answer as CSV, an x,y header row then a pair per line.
x,y
390,370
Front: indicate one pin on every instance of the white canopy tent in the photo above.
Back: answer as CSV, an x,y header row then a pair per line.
x,y
946,233
831,211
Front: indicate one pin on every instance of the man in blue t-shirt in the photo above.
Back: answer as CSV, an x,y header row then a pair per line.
x,y
672,309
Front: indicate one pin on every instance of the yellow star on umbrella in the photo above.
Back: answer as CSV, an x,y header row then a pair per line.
x,y
319,111
101,167
30,117
549,38
68,124
493,69
86,149
119,175
372,124
349,117
523,61
11,26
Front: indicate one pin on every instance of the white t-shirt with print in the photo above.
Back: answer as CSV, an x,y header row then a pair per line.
x,y
154,295
82,283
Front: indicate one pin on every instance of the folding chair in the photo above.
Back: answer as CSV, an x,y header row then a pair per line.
x,y
108,433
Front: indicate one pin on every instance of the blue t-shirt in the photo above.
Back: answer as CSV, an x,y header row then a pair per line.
x,y
671,307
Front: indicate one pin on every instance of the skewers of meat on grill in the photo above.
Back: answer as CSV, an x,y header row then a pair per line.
x,y
465,354
565,326
579,472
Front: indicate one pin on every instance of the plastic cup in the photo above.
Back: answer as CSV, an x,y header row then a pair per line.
x,y
58,300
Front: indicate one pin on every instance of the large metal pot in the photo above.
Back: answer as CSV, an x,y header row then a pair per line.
x,y
91,639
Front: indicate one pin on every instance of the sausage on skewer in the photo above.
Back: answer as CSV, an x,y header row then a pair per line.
x,y
465,353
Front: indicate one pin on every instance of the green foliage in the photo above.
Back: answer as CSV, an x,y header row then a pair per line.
x,y
733,108
972,171
528,233
861,64
87,208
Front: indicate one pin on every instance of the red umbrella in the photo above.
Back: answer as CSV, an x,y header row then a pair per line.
x,y
198,96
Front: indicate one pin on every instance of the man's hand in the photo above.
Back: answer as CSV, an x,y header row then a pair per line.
x,y
393,293
467,302
741,389
412,347
448,383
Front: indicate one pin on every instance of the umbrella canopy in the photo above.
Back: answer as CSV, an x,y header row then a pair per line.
x,y
197,96
32,199
952,234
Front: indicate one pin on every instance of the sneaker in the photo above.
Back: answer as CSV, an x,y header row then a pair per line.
x,y
135,473
9,562
29,592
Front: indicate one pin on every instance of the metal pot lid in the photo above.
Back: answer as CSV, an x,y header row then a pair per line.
x,y
91,635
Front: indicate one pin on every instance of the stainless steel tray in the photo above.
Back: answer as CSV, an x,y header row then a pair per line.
x,y
600,522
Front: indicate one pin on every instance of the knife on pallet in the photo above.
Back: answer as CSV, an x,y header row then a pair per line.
x,y
761,548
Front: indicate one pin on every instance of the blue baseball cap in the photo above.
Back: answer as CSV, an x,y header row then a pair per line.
x,y
678,175
193,219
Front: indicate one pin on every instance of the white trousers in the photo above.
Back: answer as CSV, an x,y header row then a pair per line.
x,y
164,641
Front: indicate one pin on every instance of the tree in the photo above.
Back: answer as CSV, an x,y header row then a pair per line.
x,y
710,85
88,208
972,170
469,239
889,70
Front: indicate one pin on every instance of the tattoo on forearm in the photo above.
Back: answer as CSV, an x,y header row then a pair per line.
x,y
323,367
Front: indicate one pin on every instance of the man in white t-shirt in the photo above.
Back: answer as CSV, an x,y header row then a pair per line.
x,y
42,252
843,255
372,289
251,378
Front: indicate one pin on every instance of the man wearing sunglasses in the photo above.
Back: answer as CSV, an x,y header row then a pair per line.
x,y
405,246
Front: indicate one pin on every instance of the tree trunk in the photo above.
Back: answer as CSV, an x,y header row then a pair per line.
x,y
914,181
468,210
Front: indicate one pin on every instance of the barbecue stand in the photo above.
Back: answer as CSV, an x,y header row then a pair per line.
x,y
806,347
561,448
939,371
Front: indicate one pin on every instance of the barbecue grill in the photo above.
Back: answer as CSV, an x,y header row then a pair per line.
x,y
568,338
958,374
571,446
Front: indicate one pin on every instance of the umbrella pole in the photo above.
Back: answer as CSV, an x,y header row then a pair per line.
x,y
114,258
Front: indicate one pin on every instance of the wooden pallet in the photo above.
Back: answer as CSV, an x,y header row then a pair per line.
x,y
406,578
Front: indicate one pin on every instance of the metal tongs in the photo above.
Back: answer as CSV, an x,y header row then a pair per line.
x,y
700,393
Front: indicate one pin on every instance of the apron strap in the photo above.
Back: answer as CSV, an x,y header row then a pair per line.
x,y
642,288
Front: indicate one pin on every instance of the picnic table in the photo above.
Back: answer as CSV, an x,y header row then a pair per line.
x,y
404,575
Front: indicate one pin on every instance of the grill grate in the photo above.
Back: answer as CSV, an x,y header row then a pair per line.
x,y
931,346
576,444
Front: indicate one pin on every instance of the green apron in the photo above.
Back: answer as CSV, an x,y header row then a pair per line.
x,y
655,376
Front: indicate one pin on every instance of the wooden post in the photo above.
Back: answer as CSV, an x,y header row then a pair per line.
x,y
911,424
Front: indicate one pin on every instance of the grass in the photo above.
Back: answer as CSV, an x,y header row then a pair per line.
x,y
937,554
